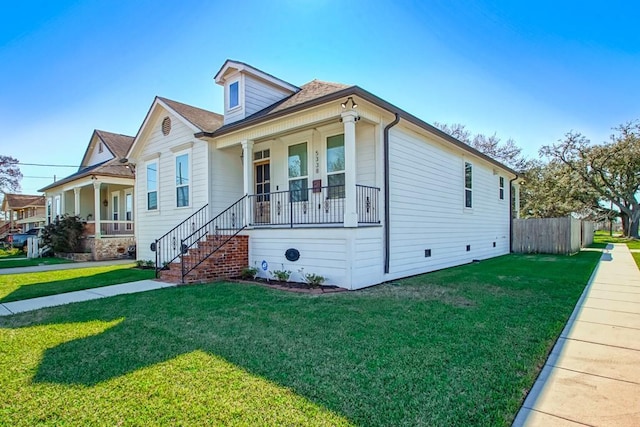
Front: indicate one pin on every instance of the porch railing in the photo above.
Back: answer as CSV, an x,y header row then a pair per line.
x,y
309,206
169,247
116,228
212,236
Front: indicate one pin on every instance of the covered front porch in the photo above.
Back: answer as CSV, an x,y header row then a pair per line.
x,y
106,206
324,175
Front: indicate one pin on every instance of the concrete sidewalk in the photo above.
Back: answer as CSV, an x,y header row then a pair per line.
x,y
65,266
592,376
14,307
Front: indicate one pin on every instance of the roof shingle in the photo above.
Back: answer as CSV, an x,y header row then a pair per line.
x,y
204,120
20,201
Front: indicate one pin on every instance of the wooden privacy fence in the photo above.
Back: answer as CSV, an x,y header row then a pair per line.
x,y
551,235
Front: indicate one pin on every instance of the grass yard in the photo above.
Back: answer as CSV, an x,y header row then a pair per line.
x,y
456,347
601,238
13,263
14,287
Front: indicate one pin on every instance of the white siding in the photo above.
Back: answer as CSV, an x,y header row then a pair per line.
x,y
95,156
151,225
427,207
259,94
226,178
365,155
349,258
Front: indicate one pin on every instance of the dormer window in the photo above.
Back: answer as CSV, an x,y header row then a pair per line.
x,y
234,94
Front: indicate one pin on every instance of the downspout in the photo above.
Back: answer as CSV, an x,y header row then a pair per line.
x,y
511,213
387,211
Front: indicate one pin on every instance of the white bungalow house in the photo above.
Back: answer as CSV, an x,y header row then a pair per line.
x,y
23,212
323,178
100,193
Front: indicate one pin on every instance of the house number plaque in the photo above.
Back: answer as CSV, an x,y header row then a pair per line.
x,y
317,161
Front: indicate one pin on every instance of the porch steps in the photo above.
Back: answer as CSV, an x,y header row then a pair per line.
x,y
226,262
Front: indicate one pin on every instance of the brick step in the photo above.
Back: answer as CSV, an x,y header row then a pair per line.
x,y
226,263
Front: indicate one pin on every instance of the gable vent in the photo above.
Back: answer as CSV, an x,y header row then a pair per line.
x,y
166,126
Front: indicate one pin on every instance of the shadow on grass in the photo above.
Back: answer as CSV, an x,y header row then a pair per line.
x,y
389,358
77,283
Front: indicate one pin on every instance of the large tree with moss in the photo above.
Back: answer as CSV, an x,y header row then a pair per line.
x,y
610,170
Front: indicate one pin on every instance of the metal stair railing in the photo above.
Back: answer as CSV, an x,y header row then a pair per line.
x,y
166,247
224,227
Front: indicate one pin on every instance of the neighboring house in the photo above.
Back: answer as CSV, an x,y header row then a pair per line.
x,y
23,213
101,193
324,178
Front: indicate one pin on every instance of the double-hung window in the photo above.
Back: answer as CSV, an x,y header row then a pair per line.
x,y
182,180
298,173
335,166
152,186
501,192
468,180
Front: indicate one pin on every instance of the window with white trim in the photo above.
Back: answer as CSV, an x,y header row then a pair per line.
x,y
234,94
335,166
501,191
128,210
182,180
115,210
298,173
152,186
468,180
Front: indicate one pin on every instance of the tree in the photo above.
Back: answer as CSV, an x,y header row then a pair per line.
x,y
63,234
10,174
611,170
507,153
551,190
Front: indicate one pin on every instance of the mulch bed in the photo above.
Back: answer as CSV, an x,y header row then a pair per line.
x,y
294,286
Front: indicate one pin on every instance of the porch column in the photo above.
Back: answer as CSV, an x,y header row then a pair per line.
x,y
63,207
76,199
247,173
96,208
349,119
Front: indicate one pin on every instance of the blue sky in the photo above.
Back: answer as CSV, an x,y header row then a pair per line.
x,y
531,71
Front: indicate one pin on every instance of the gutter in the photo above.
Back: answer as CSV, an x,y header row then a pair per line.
x,y
511,213
387,211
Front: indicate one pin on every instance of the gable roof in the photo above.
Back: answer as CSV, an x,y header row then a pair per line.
x,y
206,121
203,121
116,143
318,92
21,201
110,168
241,66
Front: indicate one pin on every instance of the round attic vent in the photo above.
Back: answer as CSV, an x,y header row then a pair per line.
x,y
166,126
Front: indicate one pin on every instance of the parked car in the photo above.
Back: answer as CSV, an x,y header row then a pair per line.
x,y
18,240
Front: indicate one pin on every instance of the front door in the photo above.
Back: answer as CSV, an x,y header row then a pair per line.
x,y
262,212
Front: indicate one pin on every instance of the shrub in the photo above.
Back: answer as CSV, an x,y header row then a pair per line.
x,y
314,280
249,273
64,233
281,275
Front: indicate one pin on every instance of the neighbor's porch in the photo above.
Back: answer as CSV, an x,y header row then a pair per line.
x,y
106,207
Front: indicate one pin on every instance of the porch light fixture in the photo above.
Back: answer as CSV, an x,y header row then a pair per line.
x,y
105,203
353,103
128,165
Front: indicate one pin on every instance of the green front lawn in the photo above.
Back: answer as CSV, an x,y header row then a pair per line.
x,y
14,287
14,263
456,347
602,238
